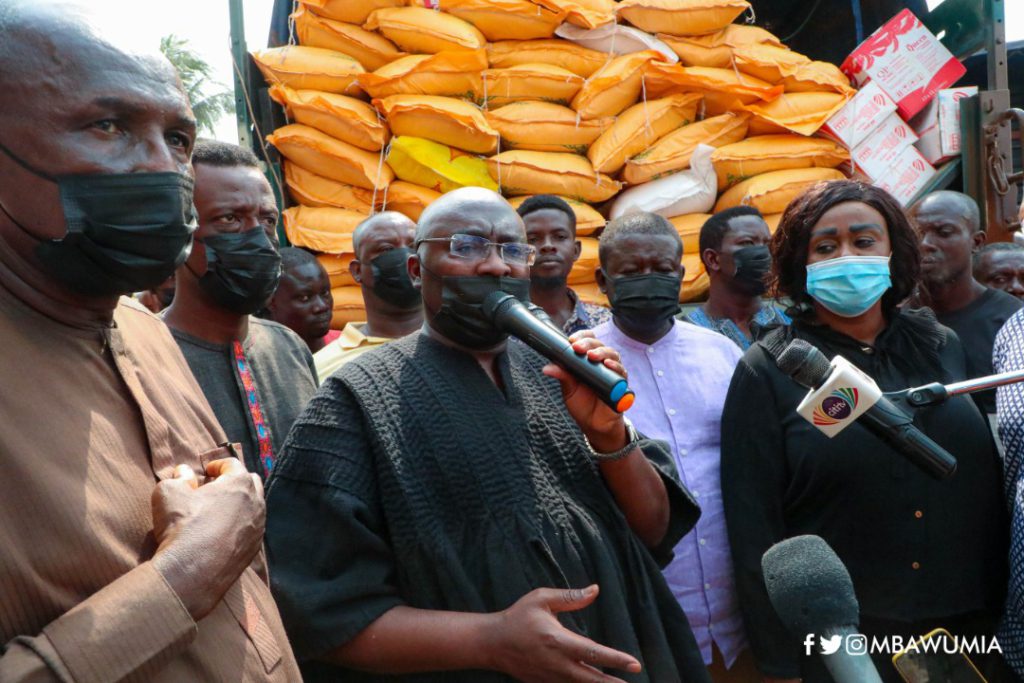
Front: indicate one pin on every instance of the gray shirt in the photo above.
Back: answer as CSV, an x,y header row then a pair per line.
x,y
283,373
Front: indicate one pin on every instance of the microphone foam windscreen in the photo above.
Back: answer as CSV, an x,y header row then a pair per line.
x,y
804,363
809,586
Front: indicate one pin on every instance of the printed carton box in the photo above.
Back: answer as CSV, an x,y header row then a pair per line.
x,y
908,175
879,151
860,117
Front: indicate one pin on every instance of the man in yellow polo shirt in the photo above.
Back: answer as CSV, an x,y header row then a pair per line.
x,y
383,244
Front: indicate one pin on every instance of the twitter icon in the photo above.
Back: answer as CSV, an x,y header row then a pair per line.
x,y
829,646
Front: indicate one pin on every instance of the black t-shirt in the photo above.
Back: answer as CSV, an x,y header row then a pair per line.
x,y
977,325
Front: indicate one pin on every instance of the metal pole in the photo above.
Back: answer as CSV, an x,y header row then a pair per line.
x,y
240,57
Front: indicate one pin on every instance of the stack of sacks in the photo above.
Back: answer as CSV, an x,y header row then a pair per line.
x,y
394,102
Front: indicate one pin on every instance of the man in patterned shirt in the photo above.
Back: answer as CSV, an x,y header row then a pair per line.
x,y
734,249
551,228
1008,356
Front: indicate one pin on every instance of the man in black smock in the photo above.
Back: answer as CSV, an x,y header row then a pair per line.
x,y
438,507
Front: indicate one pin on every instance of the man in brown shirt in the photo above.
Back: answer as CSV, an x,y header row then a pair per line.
x,y
127,533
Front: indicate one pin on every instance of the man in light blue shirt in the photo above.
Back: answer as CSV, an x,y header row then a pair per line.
x,y
681,374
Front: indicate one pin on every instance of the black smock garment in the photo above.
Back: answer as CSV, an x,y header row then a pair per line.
x,y
977,325
412,479
915,547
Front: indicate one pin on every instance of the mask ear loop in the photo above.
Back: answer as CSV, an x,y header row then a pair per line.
x,y
34,171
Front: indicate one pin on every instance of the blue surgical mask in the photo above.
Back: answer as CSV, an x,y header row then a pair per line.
x,y
850,285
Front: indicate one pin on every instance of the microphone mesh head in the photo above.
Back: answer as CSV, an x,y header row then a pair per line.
x,y
804,363
809,586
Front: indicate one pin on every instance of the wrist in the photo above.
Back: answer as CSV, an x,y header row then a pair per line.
x,y
485,645
609,440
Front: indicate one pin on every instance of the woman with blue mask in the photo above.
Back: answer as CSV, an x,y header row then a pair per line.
x,y
922,553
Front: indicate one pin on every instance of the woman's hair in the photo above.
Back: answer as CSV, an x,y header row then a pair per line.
x,y
793,237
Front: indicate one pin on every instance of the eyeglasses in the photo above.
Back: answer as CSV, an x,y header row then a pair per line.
x,y
474,248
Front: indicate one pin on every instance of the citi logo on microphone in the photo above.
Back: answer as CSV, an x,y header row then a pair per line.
x,y
836,407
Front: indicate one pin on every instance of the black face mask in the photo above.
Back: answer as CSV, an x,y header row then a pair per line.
x,y
126,232
391,279
242,270
461,317
645,302
752,266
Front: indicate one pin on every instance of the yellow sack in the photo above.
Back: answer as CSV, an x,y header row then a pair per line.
x,y
688,226
639,127
773,191
545,127
441,119
349,11
591,294
309,148
741,160
522,172
327,230
583,270
588,220
409,199
453,73
336,266
581,61
345,118
348,306
505,19
584,13
682,17
424,31
715,49
768,62
369,49
728,82
530,82
310,189
672,153
309,68
758,126
432,165
818,76
800,112
614,86
696,282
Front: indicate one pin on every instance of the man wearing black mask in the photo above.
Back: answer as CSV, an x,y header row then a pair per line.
x,y
127,532
681,375
451,506
734,249
383,244
256,374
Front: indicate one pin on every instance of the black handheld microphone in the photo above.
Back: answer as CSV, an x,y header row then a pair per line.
x,y
510,315
809,366
812,593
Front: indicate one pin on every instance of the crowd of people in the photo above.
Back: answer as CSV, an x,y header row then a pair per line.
x,y
204,483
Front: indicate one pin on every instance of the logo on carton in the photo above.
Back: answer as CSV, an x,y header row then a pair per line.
x,y
900,132
836,407
918,165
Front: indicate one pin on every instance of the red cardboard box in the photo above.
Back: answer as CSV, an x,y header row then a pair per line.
x,y
938,124
907,61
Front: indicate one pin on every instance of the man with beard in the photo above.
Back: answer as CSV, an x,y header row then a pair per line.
x,y
734,250
383,245
303,302
452,508
681,375
127,532
948,225
256,374
551,228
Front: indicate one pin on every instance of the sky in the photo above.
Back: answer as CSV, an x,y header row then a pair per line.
x,y
205,23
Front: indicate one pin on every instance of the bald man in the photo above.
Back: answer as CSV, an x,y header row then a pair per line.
x,y
128,532
452,506
383,244
949,228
